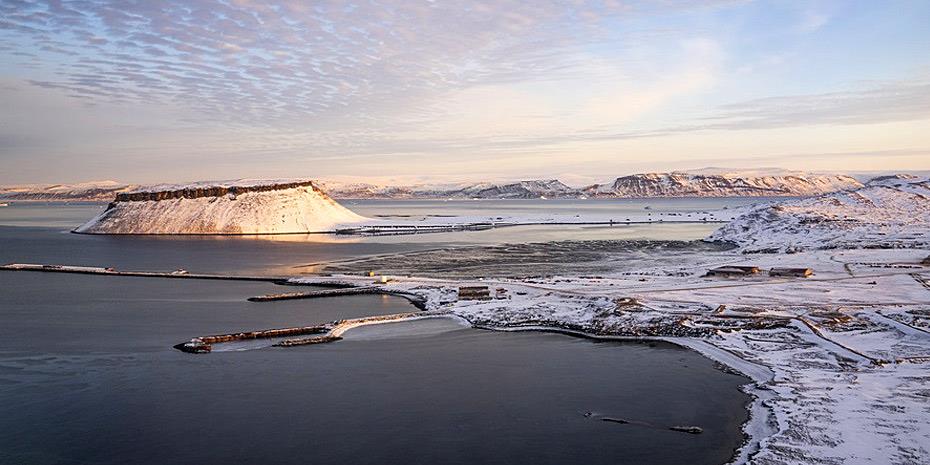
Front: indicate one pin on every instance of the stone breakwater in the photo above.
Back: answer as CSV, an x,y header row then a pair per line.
x,y
209,191
319,334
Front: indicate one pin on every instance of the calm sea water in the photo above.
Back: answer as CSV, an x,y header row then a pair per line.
x,y
88,374
38,232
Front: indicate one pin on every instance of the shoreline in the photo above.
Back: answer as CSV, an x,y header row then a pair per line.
x,y
788,337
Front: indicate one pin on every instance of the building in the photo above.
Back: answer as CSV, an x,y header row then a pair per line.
x,y
474,293
791,272
732,271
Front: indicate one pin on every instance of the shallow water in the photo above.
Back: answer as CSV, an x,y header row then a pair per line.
x,y
88,373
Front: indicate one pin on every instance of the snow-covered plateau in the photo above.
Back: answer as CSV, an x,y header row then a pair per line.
x,y
234,207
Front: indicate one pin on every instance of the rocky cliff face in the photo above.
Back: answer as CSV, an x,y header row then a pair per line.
x,y
237,207
697,185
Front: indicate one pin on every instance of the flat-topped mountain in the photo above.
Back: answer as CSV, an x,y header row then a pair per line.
x,y
225,207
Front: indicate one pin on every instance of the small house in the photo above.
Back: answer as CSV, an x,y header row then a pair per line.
x,y
474,293
732,271
791,272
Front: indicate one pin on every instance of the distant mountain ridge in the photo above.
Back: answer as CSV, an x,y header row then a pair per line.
x,y
644,185
103,191
721,185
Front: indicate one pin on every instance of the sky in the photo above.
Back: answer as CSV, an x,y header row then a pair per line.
x,y
402,91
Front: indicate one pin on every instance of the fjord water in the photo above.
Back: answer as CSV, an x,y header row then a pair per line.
x,y
88,373
38,232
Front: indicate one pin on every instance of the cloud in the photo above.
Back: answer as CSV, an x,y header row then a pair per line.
x,y
881,102
877,103
812,21
287,61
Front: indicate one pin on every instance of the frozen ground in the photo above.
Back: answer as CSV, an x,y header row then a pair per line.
x,y
840,360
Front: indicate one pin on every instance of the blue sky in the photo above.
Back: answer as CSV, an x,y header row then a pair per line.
x,y
429,91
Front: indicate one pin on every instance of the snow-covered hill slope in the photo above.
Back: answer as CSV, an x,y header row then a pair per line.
x,y
721,185
87,191
533,189
889,214
549,188
233,207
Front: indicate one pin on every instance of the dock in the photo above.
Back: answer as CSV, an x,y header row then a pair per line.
x,y
318,334
403,229
316,293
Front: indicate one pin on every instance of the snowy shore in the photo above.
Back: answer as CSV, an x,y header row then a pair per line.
x,y
838,360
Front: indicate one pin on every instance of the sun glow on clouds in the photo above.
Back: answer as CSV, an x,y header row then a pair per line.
x,y
245,88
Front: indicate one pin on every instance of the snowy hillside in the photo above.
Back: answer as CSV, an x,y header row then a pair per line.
x,y
551,188
234,207
533,189
890,213
721,185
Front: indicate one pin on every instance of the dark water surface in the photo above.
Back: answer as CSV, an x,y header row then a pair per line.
x,y
88,373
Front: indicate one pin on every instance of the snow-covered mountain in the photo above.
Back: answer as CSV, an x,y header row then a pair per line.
x,y
550,188
226,207
891,213
87,191
533,189
894,179
707,183
721,185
